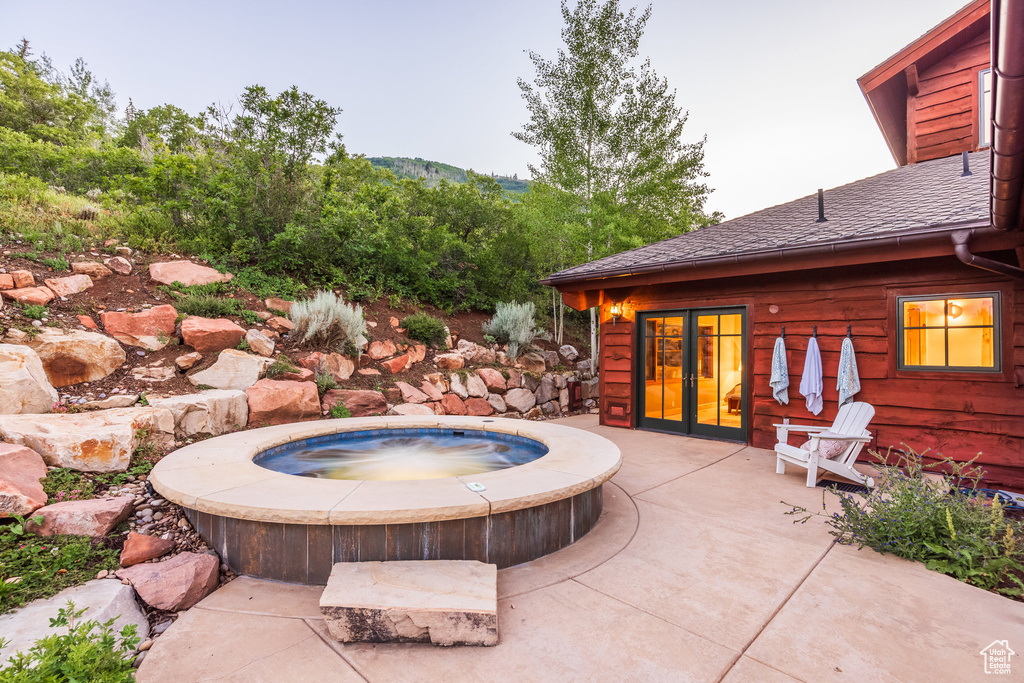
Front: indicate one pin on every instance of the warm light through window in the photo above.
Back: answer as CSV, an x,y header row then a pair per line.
x,y
956,333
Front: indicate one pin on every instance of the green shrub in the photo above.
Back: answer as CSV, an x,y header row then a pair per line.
x,y
242,345
425,328
941,521
324,383
513,324
208,306
282,365
340,411
33,567
34,311
326,321
59,264
89,651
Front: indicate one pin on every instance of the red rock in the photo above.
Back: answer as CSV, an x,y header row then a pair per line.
x,y
88,322
418,353
274,402
94,517
281,325
450,361
188,361
276,304
395,322
150,329
66,286
432,392
334,364
209,335
493,379
478,406
119,265
453,405
22,278
185,272
36,296
361,403
515,379
90,268
397,365
312,361
174,584
139,548
6,281
380,350
411,394
21,469
368,371
300,375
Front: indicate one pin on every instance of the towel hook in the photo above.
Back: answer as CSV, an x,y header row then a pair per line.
x,y
815,331
783,331
848,333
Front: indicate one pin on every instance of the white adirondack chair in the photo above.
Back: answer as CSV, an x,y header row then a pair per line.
x,y
849,426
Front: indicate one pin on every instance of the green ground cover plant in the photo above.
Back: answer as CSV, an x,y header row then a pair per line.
x,y
339,411
281,365
941,521
88,652
34,311
425,328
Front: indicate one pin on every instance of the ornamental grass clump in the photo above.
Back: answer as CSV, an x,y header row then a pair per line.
x,y
326,321
942,521
513,325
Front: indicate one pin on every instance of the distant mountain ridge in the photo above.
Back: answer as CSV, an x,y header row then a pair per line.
x,y
434,171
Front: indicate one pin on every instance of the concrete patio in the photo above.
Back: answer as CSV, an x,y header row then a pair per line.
x,y
693,574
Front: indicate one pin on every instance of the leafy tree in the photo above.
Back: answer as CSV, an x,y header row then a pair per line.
x,y
609,132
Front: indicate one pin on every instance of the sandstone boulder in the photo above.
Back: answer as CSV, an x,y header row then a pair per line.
x,y
273,402
474,353
30,296
476,387
412,409
449,361
532,362
276,304
589,388
300,375
259,343
185,272
215,411
233,370
417,353
334,364
411,394
119,265
479,407
520,400
23,278
453,405
432,392
360,403
515,379
20,471
6,282
99,441
88,322
140,547
280,325
76,356
101,599
151,329
380,350
115,401
209,335
24,387
457,385
174,584
398,364
547,390
94,517
563,399
497,402
568,352
550,359
66,286
157,372
493,380
90,268
188,360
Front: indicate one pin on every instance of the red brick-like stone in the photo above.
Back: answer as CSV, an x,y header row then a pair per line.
x,y
453,405
22,278
139,548
360,402
399,364
6,281
273,402
411,394
493,379
210,335
35,296
478,406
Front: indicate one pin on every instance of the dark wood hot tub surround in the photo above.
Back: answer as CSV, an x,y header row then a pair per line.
x,y
304,553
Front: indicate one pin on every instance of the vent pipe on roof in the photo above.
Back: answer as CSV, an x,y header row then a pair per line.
x,y
821,207
967,166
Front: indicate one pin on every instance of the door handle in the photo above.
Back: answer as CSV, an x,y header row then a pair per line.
x,y
691,380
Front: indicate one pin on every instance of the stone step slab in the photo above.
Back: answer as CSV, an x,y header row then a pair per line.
x,y
93,517
24,387
185,272
214,411
444,602
151,329
233,370
98,441
102,599
75,356
20,489
66,286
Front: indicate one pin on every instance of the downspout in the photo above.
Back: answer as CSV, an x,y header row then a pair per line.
x,y
961,240
1008,114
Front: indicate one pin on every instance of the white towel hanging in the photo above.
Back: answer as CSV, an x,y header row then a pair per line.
x,y
780,373
810,383
847,380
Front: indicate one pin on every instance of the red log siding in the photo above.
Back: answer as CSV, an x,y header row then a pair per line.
x,y
956,414
942,118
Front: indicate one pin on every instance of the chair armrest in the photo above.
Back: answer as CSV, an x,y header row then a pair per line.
x,y
802,428
842,437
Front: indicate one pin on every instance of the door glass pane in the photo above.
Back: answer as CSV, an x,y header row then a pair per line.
x,y
707,379
652,326
652,377
674,327
673,378
730,385
732,324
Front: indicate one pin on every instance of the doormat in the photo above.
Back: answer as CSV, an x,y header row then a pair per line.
x,y
843,486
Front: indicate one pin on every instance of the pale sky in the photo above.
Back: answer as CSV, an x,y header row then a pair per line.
x,y
771,84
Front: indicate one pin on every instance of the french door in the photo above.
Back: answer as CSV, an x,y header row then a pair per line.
x,y
690,371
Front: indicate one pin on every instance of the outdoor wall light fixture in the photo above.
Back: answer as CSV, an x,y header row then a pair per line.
x,y
616,311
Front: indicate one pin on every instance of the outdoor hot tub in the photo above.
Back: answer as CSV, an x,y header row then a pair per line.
x,y
287,502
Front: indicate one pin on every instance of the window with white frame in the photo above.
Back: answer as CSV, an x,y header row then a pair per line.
x,y
984,107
